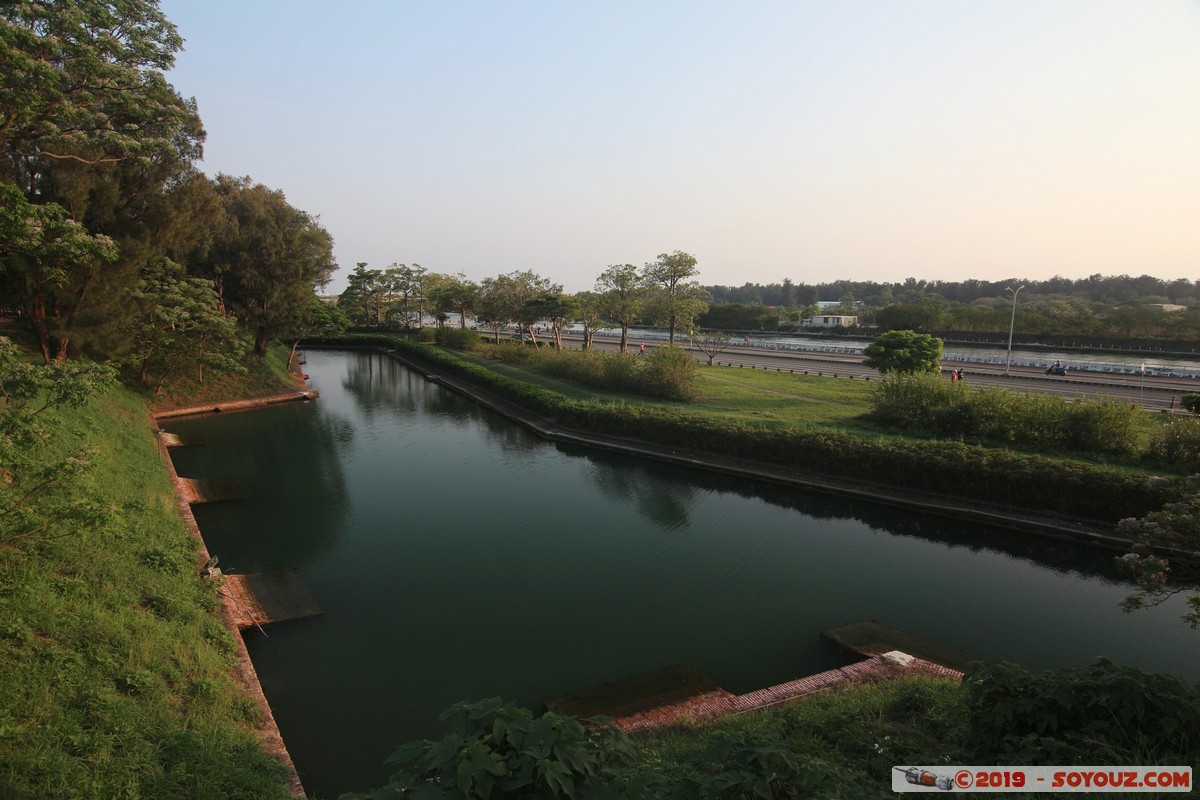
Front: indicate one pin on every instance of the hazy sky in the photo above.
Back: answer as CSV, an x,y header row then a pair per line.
x,y
860,139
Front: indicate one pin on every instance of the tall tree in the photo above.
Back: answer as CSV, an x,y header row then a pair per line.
x,y
273,255
622,291
179,324
89,126
589,314
49,263
679,300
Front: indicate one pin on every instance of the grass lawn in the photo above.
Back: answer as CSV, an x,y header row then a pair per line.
x,y
742,395
113,664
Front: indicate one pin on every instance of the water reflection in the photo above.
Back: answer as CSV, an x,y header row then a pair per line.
x,y
668,507
305,510
457,555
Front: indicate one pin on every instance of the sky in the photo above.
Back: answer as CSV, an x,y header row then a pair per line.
x,y
810,140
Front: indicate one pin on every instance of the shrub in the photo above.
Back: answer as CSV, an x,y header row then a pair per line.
x,y
1104,713
1178,443
925,403
460,338
1191,402
668,372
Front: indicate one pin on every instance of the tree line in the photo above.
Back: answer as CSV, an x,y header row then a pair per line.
x,y
662,292
1120,306
112,243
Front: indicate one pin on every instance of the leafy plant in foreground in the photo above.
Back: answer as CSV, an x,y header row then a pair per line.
x,y
498,750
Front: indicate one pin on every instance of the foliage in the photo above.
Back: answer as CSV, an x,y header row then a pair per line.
x,y
942,408
81,80
666,372
836,745
904,352
1177,444
460,338
676,301
265,258
48,262
1191,402
1104,713
41,493
669,372
1164,559
497,750
622,291
180,324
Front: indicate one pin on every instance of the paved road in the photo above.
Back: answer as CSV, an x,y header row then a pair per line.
x,y
1153,393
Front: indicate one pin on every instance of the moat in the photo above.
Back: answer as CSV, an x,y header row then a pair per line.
x,y
457,556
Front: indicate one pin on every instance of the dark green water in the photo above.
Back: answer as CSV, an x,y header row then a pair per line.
x,y
457,556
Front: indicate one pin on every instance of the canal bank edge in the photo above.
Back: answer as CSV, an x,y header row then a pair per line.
x,y
243,674
1083,531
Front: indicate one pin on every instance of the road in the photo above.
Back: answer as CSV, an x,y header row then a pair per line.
x,y
1150,392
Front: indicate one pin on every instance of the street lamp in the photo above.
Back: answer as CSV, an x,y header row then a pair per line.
x,y
1011,325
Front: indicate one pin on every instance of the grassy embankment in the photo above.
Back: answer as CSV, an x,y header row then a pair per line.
x,y
816,427
114,666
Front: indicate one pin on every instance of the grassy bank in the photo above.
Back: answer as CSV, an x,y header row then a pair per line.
x,y
800,425
114,666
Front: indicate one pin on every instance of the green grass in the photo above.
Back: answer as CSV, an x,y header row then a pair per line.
x,y
741,395
262,376
113,665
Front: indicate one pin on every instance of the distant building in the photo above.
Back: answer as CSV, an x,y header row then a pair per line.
x,y
830,321
1168,306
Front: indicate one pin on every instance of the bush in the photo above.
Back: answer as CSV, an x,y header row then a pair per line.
x,y
1177,444
1191,402
461,338
1104,713
668,372
925,403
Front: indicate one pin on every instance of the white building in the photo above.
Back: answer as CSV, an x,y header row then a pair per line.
x,y
830,321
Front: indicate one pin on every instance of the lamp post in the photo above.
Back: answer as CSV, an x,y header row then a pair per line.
x,y
1012,324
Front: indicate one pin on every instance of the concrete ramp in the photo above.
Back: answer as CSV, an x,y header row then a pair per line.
x,y
269,597
212,490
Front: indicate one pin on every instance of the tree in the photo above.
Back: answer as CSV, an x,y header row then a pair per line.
x,y
362,299
904,352
48,262
712,344
178,322
406,283
84,80
588,313
622,290
555,307
503,299
271,256
91,131
315,316
678,301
